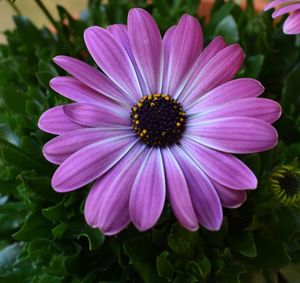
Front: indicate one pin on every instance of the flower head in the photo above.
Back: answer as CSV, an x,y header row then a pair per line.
x,y
285,184
161,119
292,23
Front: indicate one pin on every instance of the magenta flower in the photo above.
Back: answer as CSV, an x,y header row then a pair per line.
x,y
161,119
292,23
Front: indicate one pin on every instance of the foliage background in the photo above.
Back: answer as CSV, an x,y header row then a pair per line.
x,y
43,235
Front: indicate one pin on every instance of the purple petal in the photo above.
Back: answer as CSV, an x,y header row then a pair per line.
x,y
206,202
214,47
220,69
120,32
55,121
113,59
148,192
90,162
111,225
292,23
230,198
232,90
92,78
107,204
60,148
96,116
221,166
186,47
166,46
208,53
285,9
235,134
75,90
145,41
273,4
260,108
178,192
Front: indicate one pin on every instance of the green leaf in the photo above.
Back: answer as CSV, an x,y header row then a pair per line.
x,y
35,226
228,28
231,273
200,269
142,255
56,212
14,155
204,266
41,248
59,230
271,252
32,107
44,78
57,244
46,278
224,10
10,97
243,242
45,74
253,66
7,188
41,186
11,217
94,237
48,67
182,241
57,265
72,263
31,146
164,267
8,256
28,33
287,229
186,278
290,93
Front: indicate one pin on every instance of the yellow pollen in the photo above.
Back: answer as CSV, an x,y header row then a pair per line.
x,y
162,131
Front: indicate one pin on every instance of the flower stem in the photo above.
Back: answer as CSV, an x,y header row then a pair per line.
x,y
46,12
14,7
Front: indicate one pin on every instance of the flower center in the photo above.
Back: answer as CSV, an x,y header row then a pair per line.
x,y
158,120
290,183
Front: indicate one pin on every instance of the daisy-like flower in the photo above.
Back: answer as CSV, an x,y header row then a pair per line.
x,y
285,184
160,120
292,23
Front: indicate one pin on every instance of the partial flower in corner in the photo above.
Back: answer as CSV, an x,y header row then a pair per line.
x,y
292,23
161,120
285,184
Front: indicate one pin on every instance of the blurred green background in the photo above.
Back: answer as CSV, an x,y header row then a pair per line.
x,y
30,9
43,234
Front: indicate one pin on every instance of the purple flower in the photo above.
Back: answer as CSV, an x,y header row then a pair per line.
x,y
162,119
292,23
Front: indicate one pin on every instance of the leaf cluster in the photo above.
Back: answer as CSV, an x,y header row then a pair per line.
x,y
43,234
